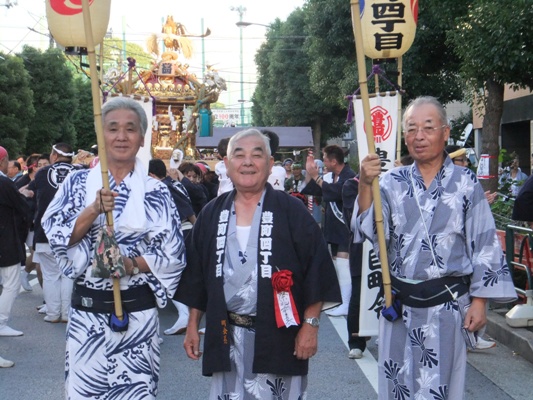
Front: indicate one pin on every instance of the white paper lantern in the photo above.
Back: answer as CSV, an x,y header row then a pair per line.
x,y
388,26
65,21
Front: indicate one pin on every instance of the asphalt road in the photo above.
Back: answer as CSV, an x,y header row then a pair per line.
x,y
496,374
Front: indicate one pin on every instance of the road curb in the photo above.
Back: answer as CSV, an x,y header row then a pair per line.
x,y
520,340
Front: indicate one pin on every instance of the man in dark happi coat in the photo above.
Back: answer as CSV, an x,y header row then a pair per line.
x,y
259,333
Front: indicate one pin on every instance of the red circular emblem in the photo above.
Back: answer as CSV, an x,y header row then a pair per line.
x,y
67,7
382,123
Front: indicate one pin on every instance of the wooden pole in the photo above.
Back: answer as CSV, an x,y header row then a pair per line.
x,y
363,84
399,132
457,153
97,107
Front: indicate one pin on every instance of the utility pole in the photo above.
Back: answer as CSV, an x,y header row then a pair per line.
x,y
241,10
124,67
203,48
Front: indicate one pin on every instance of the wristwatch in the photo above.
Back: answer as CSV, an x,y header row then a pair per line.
x,y
135,268
314,321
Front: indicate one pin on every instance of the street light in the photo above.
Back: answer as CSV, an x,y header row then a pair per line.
x,y
243,24
241,10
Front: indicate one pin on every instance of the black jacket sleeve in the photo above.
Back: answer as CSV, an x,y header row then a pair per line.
x,y
523,205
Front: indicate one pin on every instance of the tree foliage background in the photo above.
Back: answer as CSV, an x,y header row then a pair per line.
x,y
16,106
45,97
494,43
83,118
53,99
326,67
461,49
284,96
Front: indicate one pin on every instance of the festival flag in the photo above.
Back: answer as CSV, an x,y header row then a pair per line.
x,y
384,115
371,301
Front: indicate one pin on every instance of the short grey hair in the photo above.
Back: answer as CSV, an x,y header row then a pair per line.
x,y
126,103
422,100
243,134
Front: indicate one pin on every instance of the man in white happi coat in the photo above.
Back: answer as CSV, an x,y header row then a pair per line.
x,y
101,362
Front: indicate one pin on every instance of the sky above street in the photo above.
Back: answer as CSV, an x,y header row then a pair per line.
x,y
135,20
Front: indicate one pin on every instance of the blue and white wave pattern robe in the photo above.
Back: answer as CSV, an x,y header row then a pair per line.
x,y
100,363
422,355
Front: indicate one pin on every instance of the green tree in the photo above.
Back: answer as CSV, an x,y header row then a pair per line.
x,y
54,99
16,106
284,96
326,69
264,95
83,118
493,41
429,66
331,50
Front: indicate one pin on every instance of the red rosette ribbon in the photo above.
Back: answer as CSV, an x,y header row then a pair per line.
x,y
284,306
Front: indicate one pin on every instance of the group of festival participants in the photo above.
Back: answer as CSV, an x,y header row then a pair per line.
x,y
257,267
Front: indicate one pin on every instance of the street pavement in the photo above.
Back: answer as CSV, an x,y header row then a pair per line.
x,y
496,374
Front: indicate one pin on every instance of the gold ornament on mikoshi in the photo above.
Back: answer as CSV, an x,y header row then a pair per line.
x,y
65,21
388,26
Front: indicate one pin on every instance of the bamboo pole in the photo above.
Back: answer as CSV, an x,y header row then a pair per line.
x,y
97,107
361,67
101,61
399,132
457,153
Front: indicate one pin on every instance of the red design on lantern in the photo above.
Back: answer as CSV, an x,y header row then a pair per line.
x,y
67,7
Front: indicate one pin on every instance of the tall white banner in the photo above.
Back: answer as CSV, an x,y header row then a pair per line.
x,y
371,296
384,114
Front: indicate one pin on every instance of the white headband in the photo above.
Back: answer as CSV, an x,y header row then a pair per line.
x,y
62,153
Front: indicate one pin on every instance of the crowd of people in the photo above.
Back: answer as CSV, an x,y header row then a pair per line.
x,y
258,249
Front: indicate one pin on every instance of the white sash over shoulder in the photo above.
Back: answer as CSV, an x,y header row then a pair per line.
x,y
133,218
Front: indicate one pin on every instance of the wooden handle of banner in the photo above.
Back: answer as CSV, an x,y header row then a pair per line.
x,y
378,211
371,95
399,131
457,153
97,110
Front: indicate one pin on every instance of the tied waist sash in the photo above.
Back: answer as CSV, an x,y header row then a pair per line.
x,y
244,321
137,298
430,293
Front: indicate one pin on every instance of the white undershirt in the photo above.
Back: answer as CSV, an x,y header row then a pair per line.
x,y
243,233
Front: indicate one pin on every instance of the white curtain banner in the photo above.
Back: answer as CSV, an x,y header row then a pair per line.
x,y
384,114
371,300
